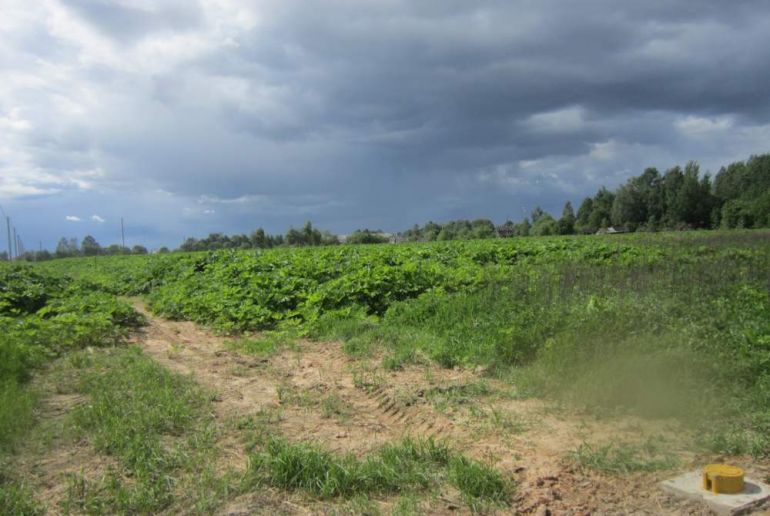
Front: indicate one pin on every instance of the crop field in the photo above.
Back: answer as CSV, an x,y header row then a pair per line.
x,y
497,376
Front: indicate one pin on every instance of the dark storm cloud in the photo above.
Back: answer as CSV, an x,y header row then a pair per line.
x,y
378,113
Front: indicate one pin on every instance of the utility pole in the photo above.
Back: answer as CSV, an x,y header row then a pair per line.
x,y
122,235
10,248
15,244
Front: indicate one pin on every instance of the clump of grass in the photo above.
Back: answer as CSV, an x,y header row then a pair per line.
x,y
406,466
289,394
333,406
17,499
478,483
155,423
90,497
367,379
623,458
406,506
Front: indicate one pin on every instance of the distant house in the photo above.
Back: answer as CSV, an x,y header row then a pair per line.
x,y
613,230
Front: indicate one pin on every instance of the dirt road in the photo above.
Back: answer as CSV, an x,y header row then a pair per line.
x,y
318,393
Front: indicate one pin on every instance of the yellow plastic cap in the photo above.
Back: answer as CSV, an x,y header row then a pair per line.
x,y
723,479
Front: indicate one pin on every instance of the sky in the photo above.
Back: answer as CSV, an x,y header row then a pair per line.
x,y
186,117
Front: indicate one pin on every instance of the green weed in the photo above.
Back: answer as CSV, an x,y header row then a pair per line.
x,y
478,483
623,458
17,404
155,423
405,466
459,394
333,406
17,499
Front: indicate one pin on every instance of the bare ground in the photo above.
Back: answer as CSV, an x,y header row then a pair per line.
x,y
316,392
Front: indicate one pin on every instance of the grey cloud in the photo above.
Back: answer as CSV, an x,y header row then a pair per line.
x,y
126,22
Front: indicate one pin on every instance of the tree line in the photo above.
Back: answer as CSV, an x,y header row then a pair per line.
x,y
259,239
71,247
679,198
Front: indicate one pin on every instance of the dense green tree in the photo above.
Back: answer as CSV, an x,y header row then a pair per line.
x,y
672,184
89,246
546,225
567,220
524,228
582,222
601,214
639,201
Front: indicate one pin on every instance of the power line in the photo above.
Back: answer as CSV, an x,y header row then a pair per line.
x,y
8,227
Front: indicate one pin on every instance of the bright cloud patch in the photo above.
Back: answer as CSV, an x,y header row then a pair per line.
x,y
699,125
72,218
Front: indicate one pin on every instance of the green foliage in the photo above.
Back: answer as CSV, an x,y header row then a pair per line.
x,y
25,291
17,499
454,230
478,482
739,198
623,458
405,466
42,315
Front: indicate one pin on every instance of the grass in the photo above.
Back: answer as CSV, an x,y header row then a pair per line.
x,y
17,404
330,405
457,394
266,346
157,425
623,458
497,420
478,483
17,499
334,406
402,467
